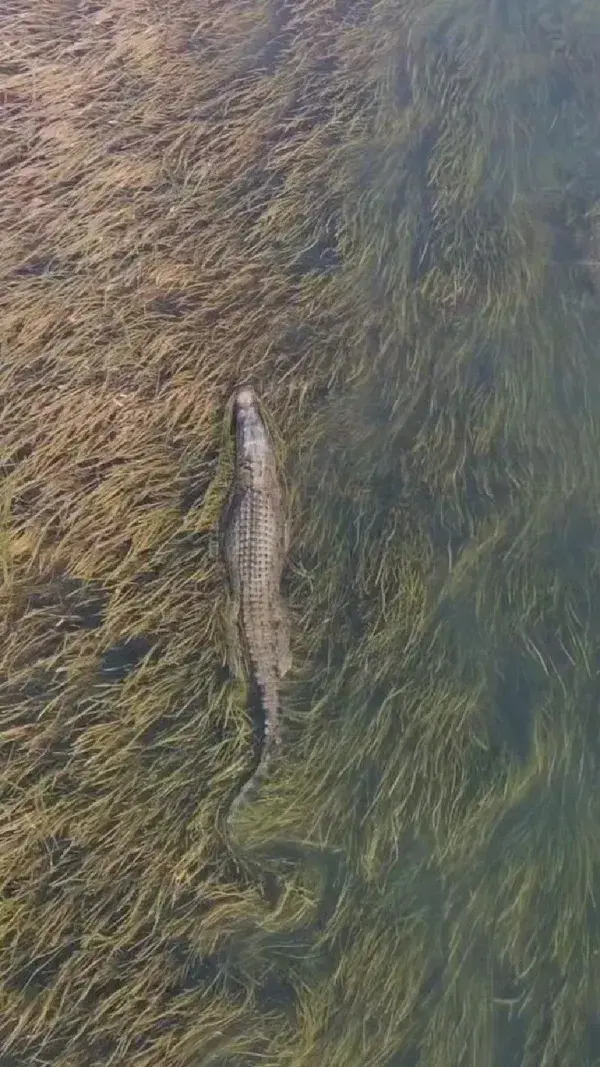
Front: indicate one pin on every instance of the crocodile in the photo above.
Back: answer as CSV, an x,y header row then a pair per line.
x,y
254,540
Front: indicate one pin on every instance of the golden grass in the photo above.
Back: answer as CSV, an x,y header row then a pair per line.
x,y
376,210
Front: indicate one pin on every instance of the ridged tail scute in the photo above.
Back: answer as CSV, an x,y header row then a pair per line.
x,y
267,693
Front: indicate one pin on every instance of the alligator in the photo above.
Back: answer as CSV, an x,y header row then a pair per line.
x,y
254,540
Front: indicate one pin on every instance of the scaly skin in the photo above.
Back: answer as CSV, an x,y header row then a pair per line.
x,y
254,546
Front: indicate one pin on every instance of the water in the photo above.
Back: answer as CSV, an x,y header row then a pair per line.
x,y
452,548
400,248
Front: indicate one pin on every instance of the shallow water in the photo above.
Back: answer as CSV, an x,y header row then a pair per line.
x,y
386,215
448,546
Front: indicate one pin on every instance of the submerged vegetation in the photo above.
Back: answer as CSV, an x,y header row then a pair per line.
x,y
386,214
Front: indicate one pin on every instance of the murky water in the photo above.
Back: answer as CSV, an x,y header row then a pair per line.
x,y
400,249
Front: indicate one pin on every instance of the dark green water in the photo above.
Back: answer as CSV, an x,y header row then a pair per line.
x,y
450,556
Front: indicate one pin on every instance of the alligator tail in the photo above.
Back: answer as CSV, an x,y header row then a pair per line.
x,y
251,788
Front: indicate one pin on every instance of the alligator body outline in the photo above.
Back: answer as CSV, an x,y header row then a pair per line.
x,y
254,545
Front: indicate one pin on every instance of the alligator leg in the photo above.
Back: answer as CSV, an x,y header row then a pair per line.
x,y
284,655
229,543
286,538
232,637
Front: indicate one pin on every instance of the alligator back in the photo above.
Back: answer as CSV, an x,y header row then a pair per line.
x,y
254,545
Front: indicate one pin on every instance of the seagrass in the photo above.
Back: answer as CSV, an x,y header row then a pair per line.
x,y
385,215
